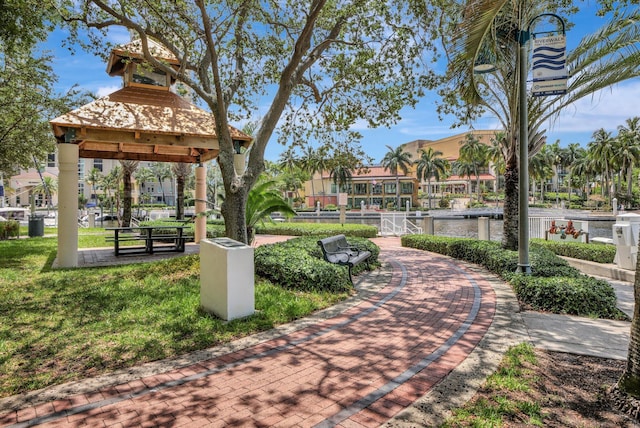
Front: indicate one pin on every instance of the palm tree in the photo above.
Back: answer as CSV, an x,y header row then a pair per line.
x,y
628,150
463,168
556,158
47,188
393,161
181,171
143,175
263,199
582,169
93,180
111,185
162,172
288,160
572,152
309,164
128,168
493,28
601,149
341,176
540,168
430,165
472,151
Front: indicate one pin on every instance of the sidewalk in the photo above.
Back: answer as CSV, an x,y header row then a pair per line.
x,y
422,334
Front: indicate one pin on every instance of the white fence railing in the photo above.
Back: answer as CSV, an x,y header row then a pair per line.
x,y
396,224
539,225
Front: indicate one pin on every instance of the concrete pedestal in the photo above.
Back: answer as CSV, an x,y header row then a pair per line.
x,y
427,225
484,232
227,287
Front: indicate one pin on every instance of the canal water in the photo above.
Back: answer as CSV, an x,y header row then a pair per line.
x,y
468,228
454,226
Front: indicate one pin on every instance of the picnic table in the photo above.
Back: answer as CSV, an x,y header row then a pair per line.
x,y
155,238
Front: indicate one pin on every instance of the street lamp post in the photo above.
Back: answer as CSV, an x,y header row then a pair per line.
x,y
480,67
523,162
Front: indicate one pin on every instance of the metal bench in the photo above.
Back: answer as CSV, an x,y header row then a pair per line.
x,y
336,250
149,235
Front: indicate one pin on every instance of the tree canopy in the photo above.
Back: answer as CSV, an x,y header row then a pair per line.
x,y
27,93
318,67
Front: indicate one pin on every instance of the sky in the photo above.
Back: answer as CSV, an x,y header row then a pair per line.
x,y
576,124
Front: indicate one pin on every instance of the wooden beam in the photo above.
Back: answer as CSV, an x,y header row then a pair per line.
x,y
124,136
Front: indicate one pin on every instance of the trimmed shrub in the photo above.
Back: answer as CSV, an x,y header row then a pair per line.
x,y
552,286
600,253
298,264
317,229
581,295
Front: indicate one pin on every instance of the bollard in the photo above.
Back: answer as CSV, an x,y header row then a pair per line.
x,y
427,225
483,229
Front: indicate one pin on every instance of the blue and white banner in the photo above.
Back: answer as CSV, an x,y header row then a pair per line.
x,y
549,65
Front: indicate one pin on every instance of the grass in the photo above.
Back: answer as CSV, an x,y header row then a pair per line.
x,y
67,324
512,376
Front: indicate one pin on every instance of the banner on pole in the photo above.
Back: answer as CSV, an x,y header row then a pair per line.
x,y
549,65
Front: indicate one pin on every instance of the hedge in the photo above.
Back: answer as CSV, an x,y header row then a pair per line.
x,y
317,229
298,264
552,286
594,252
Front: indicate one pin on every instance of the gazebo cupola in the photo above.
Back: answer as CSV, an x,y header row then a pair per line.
x,y
126,61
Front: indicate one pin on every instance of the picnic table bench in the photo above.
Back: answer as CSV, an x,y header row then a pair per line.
x,y
149,235
336,249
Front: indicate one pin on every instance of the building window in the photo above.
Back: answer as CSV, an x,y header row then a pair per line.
x,y
360,188
51,160
406,187
390,188
81,170
97,164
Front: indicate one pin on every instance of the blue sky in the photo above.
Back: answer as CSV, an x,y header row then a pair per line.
x,y
607,109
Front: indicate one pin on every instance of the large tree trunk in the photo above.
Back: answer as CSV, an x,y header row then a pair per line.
x,y
630,380
234,212
510,211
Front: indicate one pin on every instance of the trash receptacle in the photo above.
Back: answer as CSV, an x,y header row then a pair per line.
x,y
227,286
36,226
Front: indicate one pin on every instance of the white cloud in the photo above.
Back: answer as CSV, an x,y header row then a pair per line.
x,y
106,90
119,35
606,109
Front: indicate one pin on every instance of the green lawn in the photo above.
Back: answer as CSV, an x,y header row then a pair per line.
x,y
67,324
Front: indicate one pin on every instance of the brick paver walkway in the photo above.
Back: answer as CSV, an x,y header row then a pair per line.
x,y
356,369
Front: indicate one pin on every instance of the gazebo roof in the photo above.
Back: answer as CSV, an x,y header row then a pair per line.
x,y
142,124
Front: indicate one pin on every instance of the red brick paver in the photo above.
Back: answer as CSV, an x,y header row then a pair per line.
x,y
358,368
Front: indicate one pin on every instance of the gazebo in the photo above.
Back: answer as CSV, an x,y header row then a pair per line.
x,y
143,121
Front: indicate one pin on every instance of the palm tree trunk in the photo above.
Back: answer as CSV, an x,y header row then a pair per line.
x,y
629,182
510,210
429,191
630,380
398,207
180,201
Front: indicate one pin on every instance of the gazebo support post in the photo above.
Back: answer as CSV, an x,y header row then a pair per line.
x,y
68,205
201,206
